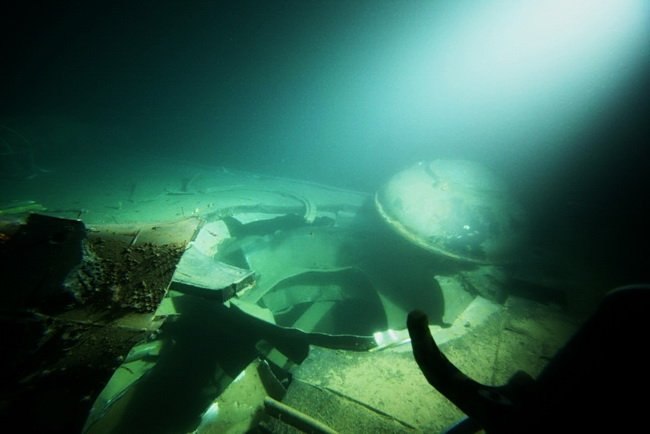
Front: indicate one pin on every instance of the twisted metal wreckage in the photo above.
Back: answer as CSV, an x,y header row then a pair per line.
x,y
286,291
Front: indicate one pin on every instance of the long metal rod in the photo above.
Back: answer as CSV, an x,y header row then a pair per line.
x,y
295,418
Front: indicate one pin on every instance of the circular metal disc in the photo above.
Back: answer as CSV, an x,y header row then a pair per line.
x,y
455,208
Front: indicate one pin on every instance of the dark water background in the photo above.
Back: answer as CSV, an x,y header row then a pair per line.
x,y
344,93
314,90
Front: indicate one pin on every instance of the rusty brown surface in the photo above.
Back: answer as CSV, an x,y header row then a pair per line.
x,y
59,356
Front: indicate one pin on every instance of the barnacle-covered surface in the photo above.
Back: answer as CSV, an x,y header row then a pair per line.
x,y
117,276
76,302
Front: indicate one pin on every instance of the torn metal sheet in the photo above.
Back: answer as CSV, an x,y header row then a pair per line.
x,y
310,263
274,257
200,275
209,237
341,341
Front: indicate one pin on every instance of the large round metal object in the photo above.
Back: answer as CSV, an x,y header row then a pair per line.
x,y
455,208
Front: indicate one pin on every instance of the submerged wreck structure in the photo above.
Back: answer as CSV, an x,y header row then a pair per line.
x,y
248,303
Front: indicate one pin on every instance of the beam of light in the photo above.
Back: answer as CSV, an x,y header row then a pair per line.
x,y
513,73
410,81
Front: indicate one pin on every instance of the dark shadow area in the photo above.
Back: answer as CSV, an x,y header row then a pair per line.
x,y
594,212
403,272
595,381
205,348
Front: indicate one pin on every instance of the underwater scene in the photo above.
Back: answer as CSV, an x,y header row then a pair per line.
x,y
323,216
